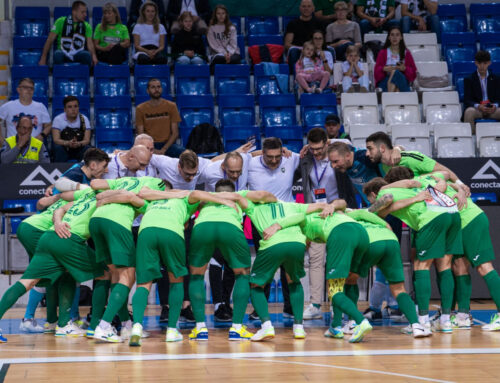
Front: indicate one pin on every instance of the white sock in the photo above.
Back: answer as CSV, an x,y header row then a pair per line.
x,y
104,325
423,318
127,324
444,318
237,326
267,324
297,326
171,328
462,315
200,325
216,306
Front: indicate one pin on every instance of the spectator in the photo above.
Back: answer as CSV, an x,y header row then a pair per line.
x,y
333,128
187,46
111,38
326,10
353,72
222,38
11,111
300,30
22,148
72,33
159,118
482,92
149,36
395,69
342,33
376,15
71,132
420,15
323,52
135,7
309,69
199,9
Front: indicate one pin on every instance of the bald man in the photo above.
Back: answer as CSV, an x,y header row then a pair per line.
x,y
128,163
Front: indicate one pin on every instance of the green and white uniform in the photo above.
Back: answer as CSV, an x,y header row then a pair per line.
x,y
419,163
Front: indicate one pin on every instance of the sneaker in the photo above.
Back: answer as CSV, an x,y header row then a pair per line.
x,y
349,327
30,325
164,314
439,326
145,334
253,316
372,315
89,333
263,334
201,334
334,332
102,335
241,334
287,312
2,338
135,335
299,332
70,330
187,315
460,322
360,331
394,314
82,323
419,331
408,330
125,333
313,312
494,324
173,335
49,328
222,314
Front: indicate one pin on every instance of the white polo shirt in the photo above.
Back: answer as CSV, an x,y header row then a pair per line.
x,y
323,177
213,173
278,181
116,169
168,170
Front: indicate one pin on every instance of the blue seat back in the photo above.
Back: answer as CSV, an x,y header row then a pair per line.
x,y
235,136
489,40
70,80
265,39
195,110
236,110
494,53
97,15
452,26
452,11
277,110
479,11
39,74
232,79
261,25
460,54
143,73
458,46
486,25
460,70
32,21
241,45
192,79
58,107
29,206
113,136
291,136
113,112
315,107
236,20
267,84
112,80
27,50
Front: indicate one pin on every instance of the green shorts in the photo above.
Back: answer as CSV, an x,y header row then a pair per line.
x,y
157,246
346,246
231,241
56,255
29,236
442,235
477,241
288,254
114,245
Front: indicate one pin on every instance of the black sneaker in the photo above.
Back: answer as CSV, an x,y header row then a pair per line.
x,y
187,315
253,316
164,314
394,314
372,315
222,314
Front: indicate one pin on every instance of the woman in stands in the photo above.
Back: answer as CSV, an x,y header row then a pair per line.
x,y
187,46
395,68
111,38
318,40
222,39
343,32
310,69
149,36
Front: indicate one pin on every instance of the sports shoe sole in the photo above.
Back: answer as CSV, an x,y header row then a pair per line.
x,y
262,339
135,341
106,340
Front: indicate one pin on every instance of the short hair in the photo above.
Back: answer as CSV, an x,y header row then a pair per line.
x,y
352,49
340,5
168,185
340,147
22,118
153,79
76,4
188,159
482,57
224,185
317,135
230,155
27,79
374,185
271,143
380,138
143,136
95,155
398,173
69,99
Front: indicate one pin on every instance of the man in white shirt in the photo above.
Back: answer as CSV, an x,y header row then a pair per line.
x,y
233,167
127,163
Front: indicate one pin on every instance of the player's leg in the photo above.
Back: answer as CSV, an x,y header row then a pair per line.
x,y
99,300
463,292
490,276
51,300
66,293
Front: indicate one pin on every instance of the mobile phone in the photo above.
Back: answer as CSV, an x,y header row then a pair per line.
x,y
252,140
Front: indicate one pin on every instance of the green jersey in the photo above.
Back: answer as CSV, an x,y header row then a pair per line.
x,y
214,212
57,28
124,214
419,163
43,221
169,214
114,34
78,216
265,215
375,226
318,229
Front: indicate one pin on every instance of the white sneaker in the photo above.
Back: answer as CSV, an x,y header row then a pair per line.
x,y
313,312
299,332
102,335
494,324
349,327
442,326
70,330
135,335
419,331
30,325
173,335
263,334
145,334
125,333
461,322
49,328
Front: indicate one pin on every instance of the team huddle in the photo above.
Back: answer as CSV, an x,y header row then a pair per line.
x,y
448,229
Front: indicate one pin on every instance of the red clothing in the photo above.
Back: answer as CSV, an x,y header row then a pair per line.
x,y
410,71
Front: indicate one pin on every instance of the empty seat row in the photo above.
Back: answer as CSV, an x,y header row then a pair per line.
x,y
484,17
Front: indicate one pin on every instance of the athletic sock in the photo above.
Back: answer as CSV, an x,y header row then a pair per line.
x,y
75,305
11,296
99,300
123,313
463,289
352,292
175,298
237,326
407,306
337,317
297,301
444,318
423,291
118,296
197,296
493,282
259,303
34,300
266,324
51,300
346,305
447,285
200,325
241,293
66,292
139,303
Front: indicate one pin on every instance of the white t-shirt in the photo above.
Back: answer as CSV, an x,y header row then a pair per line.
x,y
189,6
61,122
147,35
346,65
213,173
413,7
308,65
392,58
168,170
12,110
324,173
278,181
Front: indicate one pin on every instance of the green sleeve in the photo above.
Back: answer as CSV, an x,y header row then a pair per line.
x,y
143,208
291,220
391,3
250,207
88,30
418,162
58,25
98,33
439,175
78,193
192,207
365,215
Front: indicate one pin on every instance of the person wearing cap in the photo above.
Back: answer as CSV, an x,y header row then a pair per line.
x,y
334,129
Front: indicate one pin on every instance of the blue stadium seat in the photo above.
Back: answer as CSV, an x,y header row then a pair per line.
x,y
65,11
39,74
142,74
460,70
27,50
29,206
489,40
140,98
194,110
452,17
111,80
291,136
114,137
235,136
236,20
494,53
113,112
70,80
241,45
483,11
32,21
458,46
232,79
452,26
277,110
265,39
236,110
486,26
58,107
97,16
261,25
315,107
192,79
267,84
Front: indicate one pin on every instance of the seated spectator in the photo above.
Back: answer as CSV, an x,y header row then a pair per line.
x,y
333,128
71,132
159,118
353,72
134,11
187,46
395,69
200,10
419,15
309,69
343,32
149,36
73,35
323,52
111,38
222,38
376,15
22,148
326,10
482,92
300,30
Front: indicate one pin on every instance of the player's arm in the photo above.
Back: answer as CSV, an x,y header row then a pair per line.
x,y
44,202
261,196
283,223
403,184
119,196
99,184
203,196
68,196
401,204
337,205
65,184
460,197
452,176
152,195
61,228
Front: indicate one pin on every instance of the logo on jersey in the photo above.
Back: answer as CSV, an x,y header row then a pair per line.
x,y
485,173
33,178
421,253
476,258
282,170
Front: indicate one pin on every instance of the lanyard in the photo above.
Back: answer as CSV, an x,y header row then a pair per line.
x,y
187,4
316,171
237,181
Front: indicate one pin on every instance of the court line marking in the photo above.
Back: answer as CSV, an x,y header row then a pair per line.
x,y
4,367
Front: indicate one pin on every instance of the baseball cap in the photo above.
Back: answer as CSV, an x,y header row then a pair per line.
x,y
332,119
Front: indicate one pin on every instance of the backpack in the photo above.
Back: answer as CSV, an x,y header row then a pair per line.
x,y
205,138
266,53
